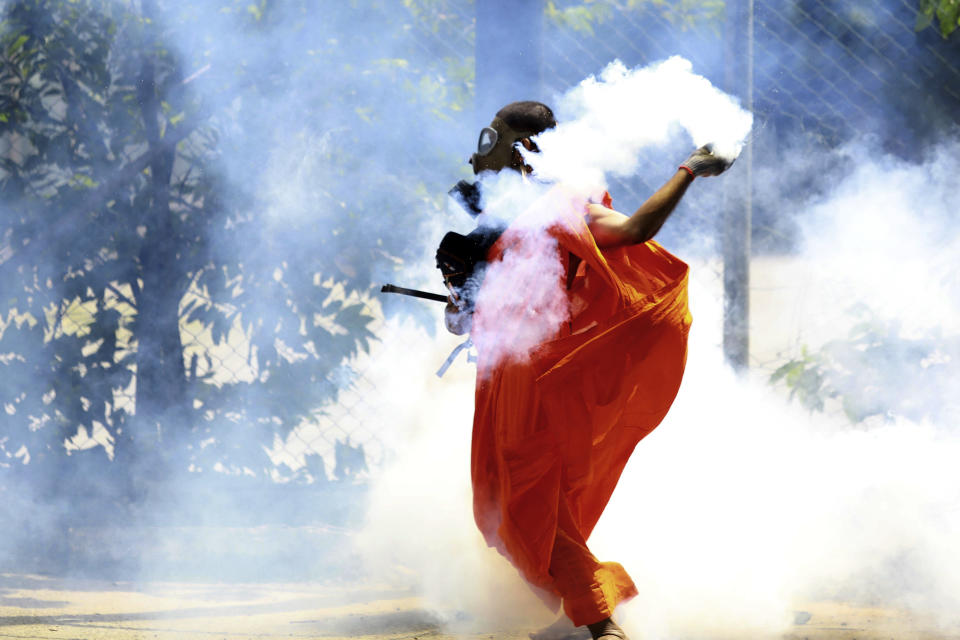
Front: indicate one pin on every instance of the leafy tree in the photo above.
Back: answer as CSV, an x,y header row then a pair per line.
x,y
877,372
582,16
945,12
70,122
147,231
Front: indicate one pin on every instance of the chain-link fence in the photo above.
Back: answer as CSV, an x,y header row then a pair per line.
x,y
823,73
829,75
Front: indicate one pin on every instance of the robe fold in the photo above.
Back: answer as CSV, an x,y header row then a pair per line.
x,y
553,428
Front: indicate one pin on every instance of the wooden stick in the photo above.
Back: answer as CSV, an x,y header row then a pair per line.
x,y
426,295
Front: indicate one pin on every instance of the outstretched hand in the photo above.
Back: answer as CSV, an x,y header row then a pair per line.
x,y
703,162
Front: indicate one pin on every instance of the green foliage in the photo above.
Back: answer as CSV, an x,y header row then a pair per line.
x,y
580,17
804,377
149,239
946,13
583,15
59,100
877,371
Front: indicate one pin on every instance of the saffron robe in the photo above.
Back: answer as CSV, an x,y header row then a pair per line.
x,y
553,430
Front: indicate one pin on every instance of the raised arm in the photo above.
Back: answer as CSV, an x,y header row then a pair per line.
x,y
613,229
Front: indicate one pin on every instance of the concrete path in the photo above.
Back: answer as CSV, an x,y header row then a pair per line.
x,y
37,607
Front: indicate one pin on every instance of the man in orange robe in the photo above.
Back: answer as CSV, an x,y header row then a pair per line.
x,y
555,424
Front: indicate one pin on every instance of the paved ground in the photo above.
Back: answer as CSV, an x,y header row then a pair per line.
x,y
38,607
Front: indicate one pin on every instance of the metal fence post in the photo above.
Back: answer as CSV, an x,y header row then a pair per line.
x,y
737,208
508,52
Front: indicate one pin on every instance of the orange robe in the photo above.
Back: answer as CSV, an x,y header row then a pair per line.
x,y
552,432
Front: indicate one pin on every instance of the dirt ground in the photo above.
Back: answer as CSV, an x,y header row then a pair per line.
x,y
40,607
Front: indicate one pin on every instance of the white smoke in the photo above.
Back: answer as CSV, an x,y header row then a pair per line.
x,y
419,530
605,125
523,296
742,508
606,122
895,247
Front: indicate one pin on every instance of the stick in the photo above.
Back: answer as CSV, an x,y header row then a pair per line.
x,y
426,295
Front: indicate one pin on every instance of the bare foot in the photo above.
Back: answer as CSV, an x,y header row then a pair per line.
x,y
608,629
562,629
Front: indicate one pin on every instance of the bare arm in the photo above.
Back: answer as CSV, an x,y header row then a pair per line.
x,y
613,229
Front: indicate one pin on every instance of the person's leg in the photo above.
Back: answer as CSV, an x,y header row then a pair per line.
x,y
590,589
606,628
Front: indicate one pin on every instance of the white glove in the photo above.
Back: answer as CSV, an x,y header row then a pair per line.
x,y
703,162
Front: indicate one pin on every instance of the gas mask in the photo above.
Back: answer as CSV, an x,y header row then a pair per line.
x,y
495,151
495,148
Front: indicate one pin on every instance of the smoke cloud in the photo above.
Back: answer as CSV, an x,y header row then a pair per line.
x,y
739,510
605,125
607,121
743,508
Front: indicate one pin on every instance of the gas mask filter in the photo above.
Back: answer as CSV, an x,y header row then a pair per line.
x,y
467,195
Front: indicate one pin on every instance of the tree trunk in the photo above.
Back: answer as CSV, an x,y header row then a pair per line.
x,y
162,407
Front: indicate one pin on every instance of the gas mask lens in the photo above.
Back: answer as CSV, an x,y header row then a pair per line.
x,y
487,141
